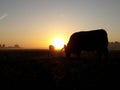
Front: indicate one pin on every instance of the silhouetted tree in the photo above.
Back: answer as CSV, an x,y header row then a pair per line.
x,y
52,50
116,42
3,45
16,46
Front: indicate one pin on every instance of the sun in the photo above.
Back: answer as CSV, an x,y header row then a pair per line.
x,y
58,43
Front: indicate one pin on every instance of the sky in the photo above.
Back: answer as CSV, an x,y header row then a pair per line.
x,y
35,23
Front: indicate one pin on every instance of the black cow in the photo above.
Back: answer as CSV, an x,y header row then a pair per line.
x,y
94,40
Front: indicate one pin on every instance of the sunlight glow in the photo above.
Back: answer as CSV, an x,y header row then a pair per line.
x,y
58,43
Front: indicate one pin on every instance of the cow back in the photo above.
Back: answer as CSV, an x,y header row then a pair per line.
x,y
88,40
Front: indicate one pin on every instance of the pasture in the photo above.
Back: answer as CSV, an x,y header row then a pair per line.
x,y
34,68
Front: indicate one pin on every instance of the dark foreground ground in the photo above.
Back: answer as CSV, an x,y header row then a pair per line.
x,y
36,69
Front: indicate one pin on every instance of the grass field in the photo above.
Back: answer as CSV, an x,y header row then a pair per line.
x,y
34,68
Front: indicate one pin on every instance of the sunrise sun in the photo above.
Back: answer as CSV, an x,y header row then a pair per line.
x,y
58,43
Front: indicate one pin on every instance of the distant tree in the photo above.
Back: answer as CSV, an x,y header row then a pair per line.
x,y
52,50
116,42
16,46
3,45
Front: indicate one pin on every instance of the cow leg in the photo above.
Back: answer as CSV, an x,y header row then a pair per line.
x,y
78,54
102,61
99,57
105,56
68,54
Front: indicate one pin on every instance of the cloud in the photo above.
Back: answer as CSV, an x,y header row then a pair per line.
x,y
3,16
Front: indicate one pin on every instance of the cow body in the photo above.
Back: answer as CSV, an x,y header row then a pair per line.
x,y
94,40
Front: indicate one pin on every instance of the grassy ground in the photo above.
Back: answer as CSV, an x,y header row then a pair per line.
x,y
37,69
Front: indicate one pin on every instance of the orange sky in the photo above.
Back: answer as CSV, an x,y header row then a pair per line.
x,y
36,23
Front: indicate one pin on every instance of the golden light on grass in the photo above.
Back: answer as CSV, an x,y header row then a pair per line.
x,y
58,43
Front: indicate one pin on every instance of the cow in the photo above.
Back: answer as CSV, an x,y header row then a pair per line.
x,y
92,40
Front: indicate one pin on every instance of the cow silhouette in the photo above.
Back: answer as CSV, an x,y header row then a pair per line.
x,y
93,40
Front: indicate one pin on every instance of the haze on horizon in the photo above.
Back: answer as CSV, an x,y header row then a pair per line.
x,y
35,23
